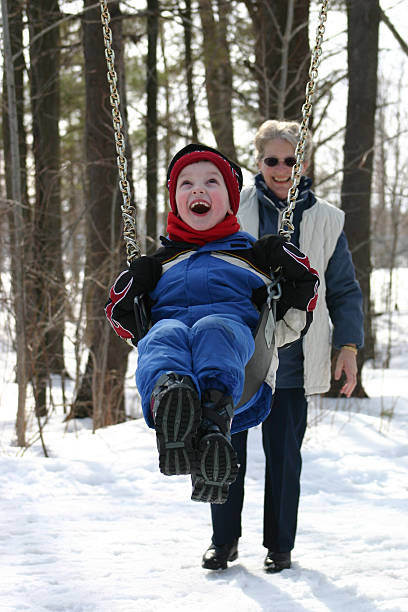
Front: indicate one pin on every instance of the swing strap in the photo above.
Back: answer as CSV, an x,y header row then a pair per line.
x,y
141,310
287,228
128,211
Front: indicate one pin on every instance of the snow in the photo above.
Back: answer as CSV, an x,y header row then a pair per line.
x,y
95,527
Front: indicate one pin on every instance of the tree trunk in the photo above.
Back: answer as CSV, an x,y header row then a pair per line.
x,y
282,56
362,52
15,22
15,9
168,117
101,393
218,73
390,188
187,30
15,159
47,355
151,125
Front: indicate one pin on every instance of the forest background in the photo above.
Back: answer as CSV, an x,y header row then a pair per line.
x,y
209,71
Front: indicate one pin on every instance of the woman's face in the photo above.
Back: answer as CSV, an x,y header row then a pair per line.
x,y
278,177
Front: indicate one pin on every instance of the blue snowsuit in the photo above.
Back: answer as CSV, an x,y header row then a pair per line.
x,y
205,307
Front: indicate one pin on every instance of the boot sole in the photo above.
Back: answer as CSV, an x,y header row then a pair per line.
x,y
275,569
177,418
215,470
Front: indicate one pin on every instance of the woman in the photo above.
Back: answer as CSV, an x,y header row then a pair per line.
x,y
305,367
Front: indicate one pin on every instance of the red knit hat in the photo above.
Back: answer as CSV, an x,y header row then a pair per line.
x,y
193,153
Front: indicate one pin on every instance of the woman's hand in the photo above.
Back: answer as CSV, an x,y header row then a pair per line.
x,y
347,363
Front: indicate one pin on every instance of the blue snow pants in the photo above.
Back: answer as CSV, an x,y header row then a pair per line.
x,y
213,352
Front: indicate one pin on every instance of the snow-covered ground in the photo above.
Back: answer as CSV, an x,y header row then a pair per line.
x,y
96,528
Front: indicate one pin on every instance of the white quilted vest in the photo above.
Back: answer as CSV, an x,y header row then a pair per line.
x,y
320,229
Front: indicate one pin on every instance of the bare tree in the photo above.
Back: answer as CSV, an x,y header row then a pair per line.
x,y
101,393
151,124
186,16
48,279
218,72
362,52
282,55
403,44
390,182
14,136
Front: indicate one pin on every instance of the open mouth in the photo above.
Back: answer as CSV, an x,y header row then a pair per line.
x,y
281,180
200,207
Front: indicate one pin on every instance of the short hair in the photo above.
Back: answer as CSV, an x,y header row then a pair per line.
x,y
284,130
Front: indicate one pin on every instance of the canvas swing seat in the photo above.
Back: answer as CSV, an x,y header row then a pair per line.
x,y
264,336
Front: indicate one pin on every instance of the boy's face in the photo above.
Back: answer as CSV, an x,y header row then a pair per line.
x,y
202,196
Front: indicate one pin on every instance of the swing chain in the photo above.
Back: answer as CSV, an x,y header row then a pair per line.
x,y
287,227
128,211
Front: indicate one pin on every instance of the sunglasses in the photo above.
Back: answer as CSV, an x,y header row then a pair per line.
x,y
274,161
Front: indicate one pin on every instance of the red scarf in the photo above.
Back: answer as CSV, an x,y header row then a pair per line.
x,y
181,232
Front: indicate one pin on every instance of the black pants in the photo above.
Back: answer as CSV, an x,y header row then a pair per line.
x,y
282,436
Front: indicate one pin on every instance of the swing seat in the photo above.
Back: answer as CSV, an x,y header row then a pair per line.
x,y
264,337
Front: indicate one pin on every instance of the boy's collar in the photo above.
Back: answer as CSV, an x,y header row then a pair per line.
x,y
166,241
236,241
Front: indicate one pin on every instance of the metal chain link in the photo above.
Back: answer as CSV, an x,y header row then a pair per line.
x,y
128,210
287,228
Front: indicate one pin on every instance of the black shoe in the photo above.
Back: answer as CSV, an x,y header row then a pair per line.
x,y
276,562
217,466
216,557
176,412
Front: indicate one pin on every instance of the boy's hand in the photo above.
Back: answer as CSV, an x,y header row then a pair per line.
x,y
141,277
268,250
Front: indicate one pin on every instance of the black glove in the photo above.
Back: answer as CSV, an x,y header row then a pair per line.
x,y
299,281
268,251
141,277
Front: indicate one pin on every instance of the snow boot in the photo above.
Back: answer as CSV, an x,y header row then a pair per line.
x,y
276,562
216,467
176,411
217,557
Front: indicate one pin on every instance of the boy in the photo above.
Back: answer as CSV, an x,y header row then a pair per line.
x,y
206,285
